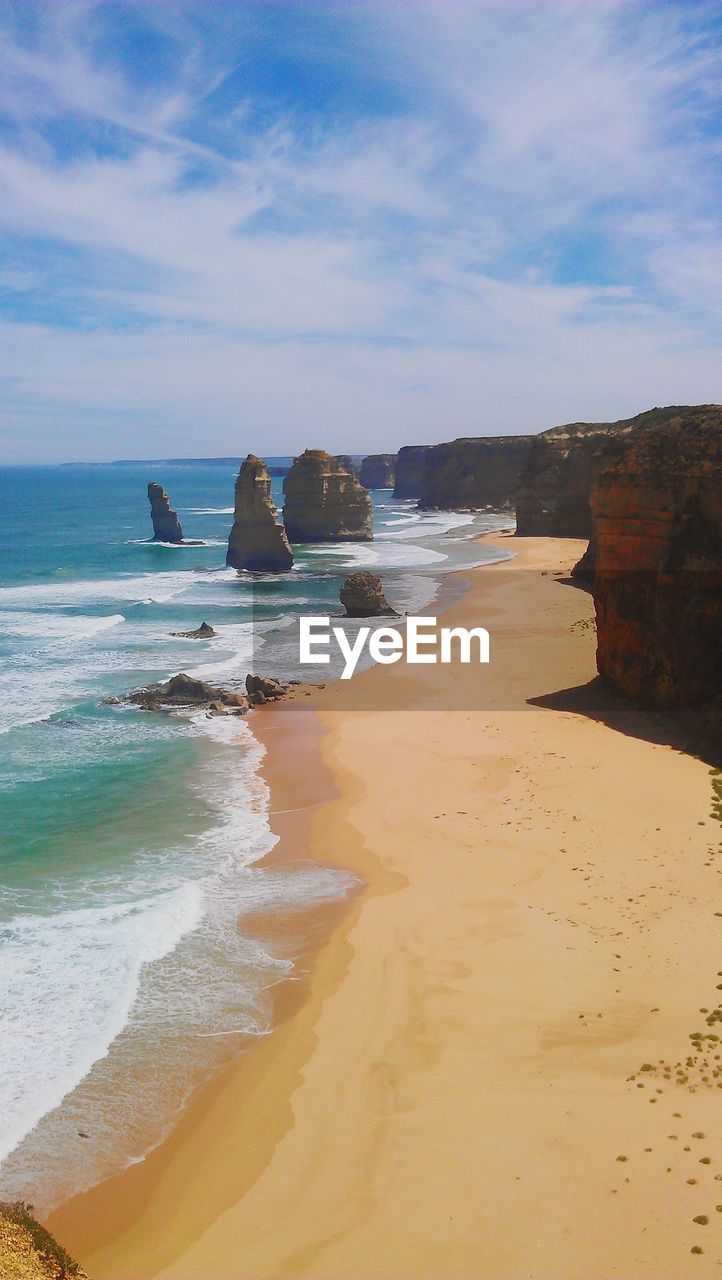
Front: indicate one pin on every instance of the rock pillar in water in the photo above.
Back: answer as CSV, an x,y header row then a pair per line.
x,y
166,525
258,540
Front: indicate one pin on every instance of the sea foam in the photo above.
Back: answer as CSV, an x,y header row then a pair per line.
x,y
115,1011
68,983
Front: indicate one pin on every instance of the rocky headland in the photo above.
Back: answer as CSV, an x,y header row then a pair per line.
x,y
410,466
657,513
166,525
257,541
473,474
362,596
324,502
554,492
378,471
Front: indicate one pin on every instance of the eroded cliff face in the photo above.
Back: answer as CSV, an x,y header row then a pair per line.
x,y
657,511
324,503
346,461
257,540
553,498
166,525
378,471
474,474
410,465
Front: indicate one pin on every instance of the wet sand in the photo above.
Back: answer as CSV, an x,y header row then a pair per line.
x,y
455,1089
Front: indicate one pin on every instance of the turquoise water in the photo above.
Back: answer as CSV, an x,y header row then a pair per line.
x,y
128,841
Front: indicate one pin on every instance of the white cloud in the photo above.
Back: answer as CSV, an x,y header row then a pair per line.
x,y
523,238
171,393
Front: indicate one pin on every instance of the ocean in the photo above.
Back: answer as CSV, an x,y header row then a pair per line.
x,y
129,841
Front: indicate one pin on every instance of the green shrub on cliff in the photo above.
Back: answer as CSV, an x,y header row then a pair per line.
x,y
28,1251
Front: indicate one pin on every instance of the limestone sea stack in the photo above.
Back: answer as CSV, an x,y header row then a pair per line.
x,y
657,511
324,503
362,596
378,471
166,525
257,540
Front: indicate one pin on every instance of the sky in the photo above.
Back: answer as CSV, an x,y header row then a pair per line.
x,y
234,225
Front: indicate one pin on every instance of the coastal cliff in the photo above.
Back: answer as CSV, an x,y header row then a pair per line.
x,y
553,498
474,473
324,502
657,511
257,541
166,525
378,471
410,464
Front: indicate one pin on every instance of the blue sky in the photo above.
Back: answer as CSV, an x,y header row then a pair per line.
x,y
352,223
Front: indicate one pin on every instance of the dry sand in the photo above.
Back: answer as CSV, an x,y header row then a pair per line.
x,y
451,1098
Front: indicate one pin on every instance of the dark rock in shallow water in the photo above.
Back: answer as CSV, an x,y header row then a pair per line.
x,y
262,689
324,503
258,540
185,691
203,632
362,596
166,525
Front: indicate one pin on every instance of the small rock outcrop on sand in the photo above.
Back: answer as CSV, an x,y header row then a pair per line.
x,y
324,503
262,689
203,632
553,499
28,1251
362,596
257,540
166,525
474,474
410,470
378,471
657,511
185,691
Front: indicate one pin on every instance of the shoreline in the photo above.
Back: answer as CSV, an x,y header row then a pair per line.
x,y
341,1143
291,932
300,932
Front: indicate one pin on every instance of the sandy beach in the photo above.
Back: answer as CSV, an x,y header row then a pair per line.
x,y
485,1070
